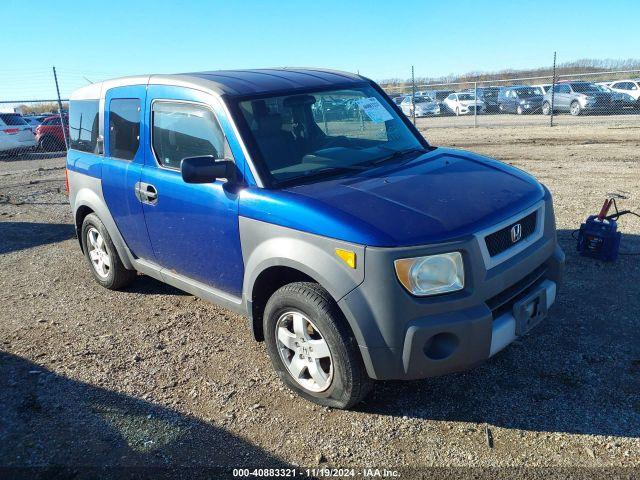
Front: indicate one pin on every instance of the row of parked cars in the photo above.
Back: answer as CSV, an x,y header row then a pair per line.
x,y
20,133
575,97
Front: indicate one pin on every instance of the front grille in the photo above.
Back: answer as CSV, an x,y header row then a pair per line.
x,y
503,302
499,241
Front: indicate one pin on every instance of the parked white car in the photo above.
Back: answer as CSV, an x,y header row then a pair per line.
x,y
462,103
542,87
424,106
15,133
630,87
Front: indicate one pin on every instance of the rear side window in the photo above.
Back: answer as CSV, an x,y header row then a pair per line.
x,y
12,119
182,130
124,127
83,125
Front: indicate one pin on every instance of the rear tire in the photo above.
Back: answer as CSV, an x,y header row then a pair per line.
x,y
102,256
50,144
343,380
575,108
519,110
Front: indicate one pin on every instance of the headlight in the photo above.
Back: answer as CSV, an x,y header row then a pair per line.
x,y
431,275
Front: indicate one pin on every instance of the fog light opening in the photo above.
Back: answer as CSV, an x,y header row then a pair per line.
x,y
441,346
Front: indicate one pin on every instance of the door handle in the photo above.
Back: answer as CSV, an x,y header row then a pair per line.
x,y
151,193
146,193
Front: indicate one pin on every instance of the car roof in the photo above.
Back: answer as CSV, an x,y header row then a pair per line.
x,y
234,82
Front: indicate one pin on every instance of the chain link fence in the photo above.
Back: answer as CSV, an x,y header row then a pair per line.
x,y
37,127
611,97
32,128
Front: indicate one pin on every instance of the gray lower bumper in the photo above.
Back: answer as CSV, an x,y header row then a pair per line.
x,y
438,338
504,327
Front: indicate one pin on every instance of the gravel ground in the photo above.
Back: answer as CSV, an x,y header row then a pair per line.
x,y
151,376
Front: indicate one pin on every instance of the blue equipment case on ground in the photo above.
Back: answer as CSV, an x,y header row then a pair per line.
x,y
599,239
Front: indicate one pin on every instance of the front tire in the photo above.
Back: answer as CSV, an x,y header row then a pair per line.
x,y
102,256
312,347
546,108
519,110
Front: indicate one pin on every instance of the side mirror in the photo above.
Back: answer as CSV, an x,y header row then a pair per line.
x,y
206,169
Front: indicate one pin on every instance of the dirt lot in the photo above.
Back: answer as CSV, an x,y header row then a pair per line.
x,y
152,376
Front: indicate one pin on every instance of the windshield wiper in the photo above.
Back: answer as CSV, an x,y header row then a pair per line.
x,y
397,155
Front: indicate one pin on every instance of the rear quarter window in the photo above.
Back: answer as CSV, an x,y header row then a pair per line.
x,y
83,125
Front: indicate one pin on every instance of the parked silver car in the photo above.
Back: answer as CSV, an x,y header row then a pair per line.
x,y
579,97
424,106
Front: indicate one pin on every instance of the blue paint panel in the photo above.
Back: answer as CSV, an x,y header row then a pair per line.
x,y
442,195
119,178
194,228
85,163
308,215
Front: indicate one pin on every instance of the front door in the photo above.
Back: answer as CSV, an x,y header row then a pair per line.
x,y
193,227
122,165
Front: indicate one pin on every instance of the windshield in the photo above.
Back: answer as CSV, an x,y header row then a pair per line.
x,y
489,92
466,96
584,87
303,137
443,94
423,100
527,92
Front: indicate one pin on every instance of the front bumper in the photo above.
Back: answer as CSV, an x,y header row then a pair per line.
x,y
428,112
405,337
466,110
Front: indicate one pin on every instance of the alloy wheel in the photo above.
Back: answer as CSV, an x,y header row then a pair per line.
x,y
304,351
575,108
98,254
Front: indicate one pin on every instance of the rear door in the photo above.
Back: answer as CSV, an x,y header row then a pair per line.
x,y
122,165
193,227
561,100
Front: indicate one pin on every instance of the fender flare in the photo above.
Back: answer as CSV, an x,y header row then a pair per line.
x,y
307,257
309,254
86,197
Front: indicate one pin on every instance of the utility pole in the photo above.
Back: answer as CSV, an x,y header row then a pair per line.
x,y
64,126
553,88
413,96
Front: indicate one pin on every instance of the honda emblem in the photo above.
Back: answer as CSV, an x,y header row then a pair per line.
x,y
516,233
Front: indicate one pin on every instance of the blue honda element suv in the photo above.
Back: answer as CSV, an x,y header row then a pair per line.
x,y
306,201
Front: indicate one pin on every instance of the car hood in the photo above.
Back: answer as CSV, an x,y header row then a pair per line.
x,y
441,195
470,102
426,105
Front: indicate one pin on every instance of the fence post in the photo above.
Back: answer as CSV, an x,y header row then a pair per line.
x,y
553,88
64,127
413,96
475,110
